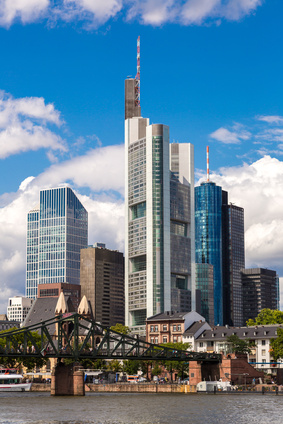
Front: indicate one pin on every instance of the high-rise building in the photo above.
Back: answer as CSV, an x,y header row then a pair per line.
x,y
159,224
208,238
182,227
260,291
56,232
147,220
233,252
103,284
205,286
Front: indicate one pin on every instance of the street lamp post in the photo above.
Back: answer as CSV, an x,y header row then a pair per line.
x,y
245,375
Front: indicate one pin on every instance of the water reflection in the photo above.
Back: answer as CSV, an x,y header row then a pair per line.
x,y
95,408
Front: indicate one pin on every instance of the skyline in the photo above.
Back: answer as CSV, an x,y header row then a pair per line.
x,y
211,74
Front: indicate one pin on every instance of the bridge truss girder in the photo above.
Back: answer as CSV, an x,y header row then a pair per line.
x,y
75,337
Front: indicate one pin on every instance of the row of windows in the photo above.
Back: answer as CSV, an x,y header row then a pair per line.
x,y
154,328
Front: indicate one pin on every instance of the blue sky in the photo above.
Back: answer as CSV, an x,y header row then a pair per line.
x,y
210,69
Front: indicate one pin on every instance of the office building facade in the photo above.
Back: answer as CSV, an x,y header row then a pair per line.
x,y
159,223
147,220
103,284
208,238
182,227
233,262
73,291
205,286
260,291
56,233
18,308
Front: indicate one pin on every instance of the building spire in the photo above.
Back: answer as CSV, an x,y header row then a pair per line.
x,y
138,76
132,91
207,163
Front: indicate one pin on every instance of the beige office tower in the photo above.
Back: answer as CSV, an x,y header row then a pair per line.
x,y
159,220
147,221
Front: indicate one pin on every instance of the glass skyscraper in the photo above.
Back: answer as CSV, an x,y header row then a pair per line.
x,y
56,232
233,262
159,228
208,236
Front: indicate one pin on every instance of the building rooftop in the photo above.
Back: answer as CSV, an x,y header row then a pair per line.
x,y
167,315
194,328
255,332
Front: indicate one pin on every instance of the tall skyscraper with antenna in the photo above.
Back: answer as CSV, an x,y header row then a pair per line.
x,y
150,286
220,243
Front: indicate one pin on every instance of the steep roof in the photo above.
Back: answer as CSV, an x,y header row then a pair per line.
x,y
194,328
84,306
61,306
42,309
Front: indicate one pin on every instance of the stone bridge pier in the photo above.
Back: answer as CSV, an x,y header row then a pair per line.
x,y
67,380
201,370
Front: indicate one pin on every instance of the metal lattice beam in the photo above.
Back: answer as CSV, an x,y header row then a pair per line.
x,y
80,338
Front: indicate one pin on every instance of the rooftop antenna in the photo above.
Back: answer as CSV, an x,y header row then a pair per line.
x,y
137,78
207,163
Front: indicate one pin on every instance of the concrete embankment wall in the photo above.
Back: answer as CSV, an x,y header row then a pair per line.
x,y
140,388
40,387
126,388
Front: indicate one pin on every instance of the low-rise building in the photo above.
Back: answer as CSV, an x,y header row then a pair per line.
x,y
169,326
259,337
18,308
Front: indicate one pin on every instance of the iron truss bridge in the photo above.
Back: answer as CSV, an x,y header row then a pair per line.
x,y
71,335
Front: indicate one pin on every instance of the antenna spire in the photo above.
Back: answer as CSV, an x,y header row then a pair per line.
x,y
137,78
207,163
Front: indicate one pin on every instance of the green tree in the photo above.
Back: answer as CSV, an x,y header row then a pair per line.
x,y
238,345
156,370
30,363
131,366
120,328
277,345
267,317
114,365
180,367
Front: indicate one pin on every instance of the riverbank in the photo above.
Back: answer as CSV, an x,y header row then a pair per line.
x,y
155,388
140,388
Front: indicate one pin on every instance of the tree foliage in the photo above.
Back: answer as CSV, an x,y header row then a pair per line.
x,y
156,370
30,363
115,365
267,317
180,367
238,345
120,328
277,345
131,366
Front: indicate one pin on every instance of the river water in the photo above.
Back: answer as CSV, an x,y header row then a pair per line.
x,y
106,408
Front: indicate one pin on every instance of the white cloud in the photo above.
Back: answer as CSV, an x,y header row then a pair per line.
x,y
24,10
23,125
230,137
101,171
271,119
196,11
153,12
236,9
258,189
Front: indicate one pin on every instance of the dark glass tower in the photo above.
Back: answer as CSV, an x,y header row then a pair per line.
x,y
208,236
233,261
57,231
